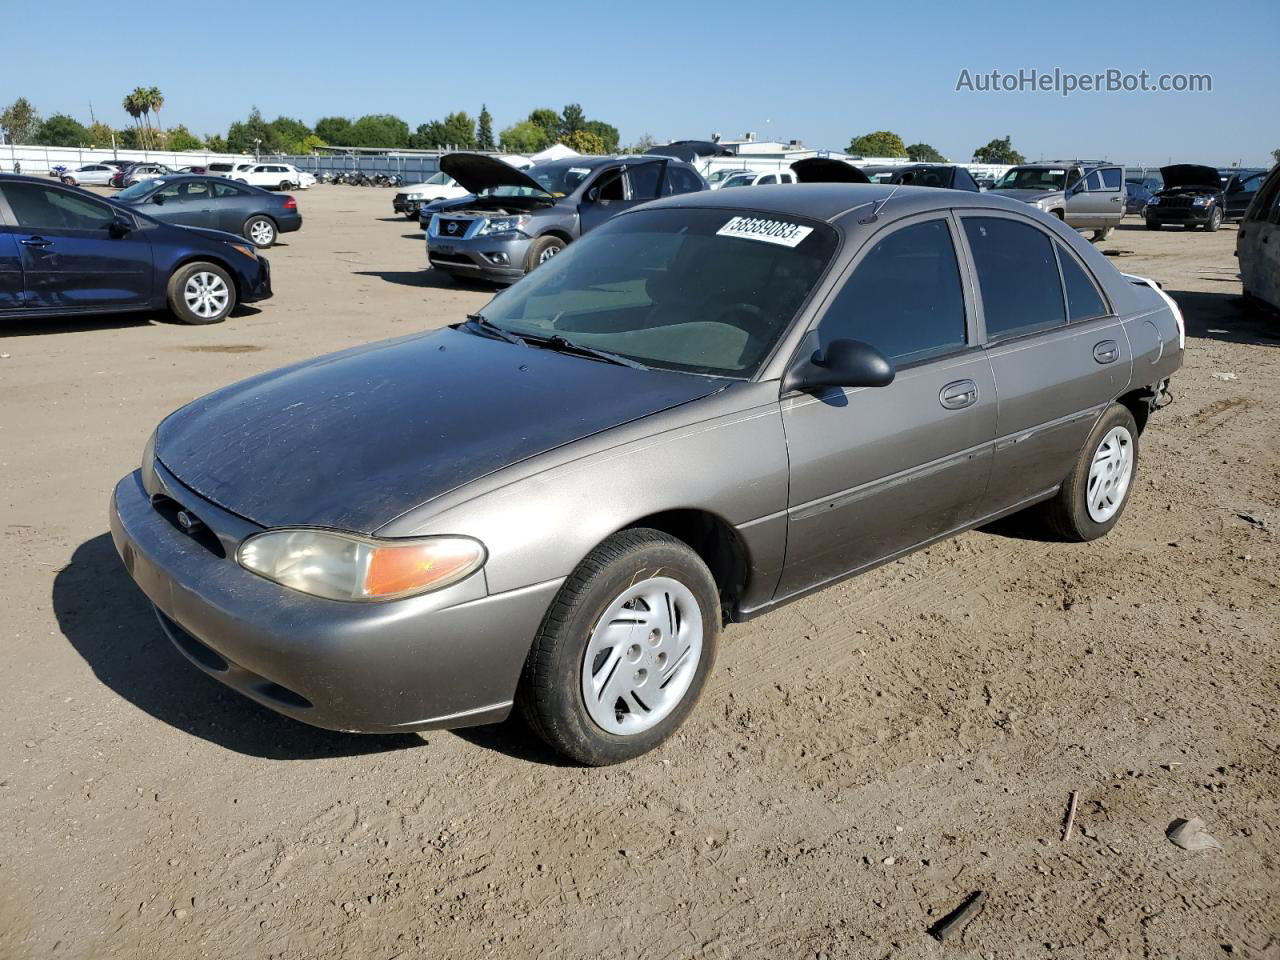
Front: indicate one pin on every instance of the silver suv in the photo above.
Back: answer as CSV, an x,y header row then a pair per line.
x,y
1087,197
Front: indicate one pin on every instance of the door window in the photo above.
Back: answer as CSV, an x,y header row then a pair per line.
x,y
185,190
904,297
1093,182
786,178
767,178
1083,300
1017,274
1264,204
38,207
227,190
1111,178
645,180
680,180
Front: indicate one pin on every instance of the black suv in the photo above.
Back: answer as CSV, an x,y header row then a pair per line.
x,y
1192,197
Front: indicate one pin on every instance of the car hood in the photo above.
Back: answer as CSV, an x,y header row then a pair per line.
x,y
476,173
1028,196
353,440
827,170
1191,175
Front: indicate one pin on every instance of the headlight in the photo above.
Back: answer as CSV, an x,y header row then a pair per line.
x,y
1201,201
149,451
244,248
1154,201
414,196
501,225
347,566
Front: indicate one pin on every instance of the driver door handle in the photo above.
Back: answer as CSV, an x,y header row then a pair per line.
x,y
1108,351
958,394
35,242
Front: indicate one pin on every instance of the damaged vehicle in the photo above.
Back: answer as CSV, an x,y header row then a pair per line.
x,y
520,219
1192,197
709,406
1086,197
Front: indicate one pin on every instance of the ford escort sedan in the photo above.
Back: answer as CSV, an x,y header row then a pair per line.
x,y
709,406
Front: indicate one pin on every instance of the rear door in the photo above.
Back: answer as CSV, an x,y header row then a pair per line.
x,y
877,471
1058,352
1241,193
10,266
188,202
71,257
229,205
1097,200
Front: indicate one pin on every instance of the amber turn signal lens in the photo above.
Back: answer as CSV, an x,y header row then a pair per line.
x,y
397,570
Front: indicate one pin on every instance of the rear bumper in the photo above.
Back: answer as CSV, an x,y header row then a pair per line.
x,y
440,660
288,222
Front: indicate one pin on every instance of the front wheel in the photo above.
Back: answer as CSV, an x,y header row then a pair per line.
x,y
542,250
624,651
69,181
260,231
201,293
1215,220
1094,495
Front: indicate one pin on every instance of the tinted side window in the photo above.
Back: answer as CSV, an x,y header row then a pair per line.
x,y
769,178
964,180
1083,300
645,180
1111,178
904,298
680,180
227,190
39,207
1017,274
1093,181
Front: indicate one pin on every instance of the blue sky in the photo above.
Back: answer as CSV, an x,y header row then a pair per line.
x,y
819,71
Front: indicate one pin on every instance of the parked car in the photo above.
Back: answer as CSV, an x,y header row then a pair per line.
x,y
1258,244
92,174
716,178
132,173
438,186
65,251
520,219
194,169
220,168
272,176
1192,197
1136,197
945,175
827,170
757,178
1238,189
709,406
1085,197
193,201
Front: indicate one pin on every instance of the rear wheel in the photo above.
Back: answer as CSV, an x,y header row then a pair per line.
x,y
624,651
69,181
286,184
260,231
1094,495
542,250
201,293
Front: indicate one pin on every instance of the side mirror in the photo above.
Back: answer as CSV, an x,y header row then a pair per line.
x,y
158,198
593,195
846,363
120,226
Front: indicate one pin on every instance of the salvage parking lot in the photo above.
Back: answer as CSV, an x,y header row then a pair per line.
x,y
863,760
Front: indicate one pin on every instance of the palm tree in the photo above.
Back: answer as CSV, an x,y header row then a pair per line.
x,y
133,107
155,100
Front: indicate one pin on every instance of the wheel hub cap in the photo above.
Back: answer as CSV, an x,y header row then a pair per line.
x,y
642,656
1109,474
260,233
206,294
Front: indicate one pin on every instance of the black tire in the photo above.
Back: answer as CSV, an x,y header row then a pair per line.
x,y
69,181
1103,234
542,250
1152,225
260,224
286,184
1215,221
1068,512
550,695
177,300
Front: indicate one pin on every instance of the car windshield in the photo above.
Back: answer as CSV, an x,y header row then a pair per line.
x,y
1032,178
439,179
139,190
698,291
558,179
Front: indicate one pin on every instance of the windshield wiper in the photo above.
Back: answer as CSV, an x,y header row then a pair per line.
x,y
561,345
489,327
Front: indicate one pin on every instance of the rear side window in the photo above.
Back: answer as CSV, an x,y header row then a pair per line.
x,y
1018,276
1264,203
964,180
44,208
1084,302
680,180
904,297
768,178
227,190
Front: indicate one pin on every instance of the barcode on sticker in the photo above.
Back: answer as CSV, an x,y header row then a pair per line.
x,y
770,231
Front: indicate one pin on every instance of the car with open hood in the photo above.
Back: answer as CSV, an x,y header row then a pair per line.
x,y
520,219
708,406
1086,197
1192,197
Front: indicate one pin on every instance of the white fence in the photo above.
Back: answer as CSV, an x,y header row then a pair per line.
x,y
40,159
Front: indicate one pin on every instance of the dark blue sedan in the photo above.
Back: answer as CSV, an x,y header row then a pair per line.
x,y
64,251
198,201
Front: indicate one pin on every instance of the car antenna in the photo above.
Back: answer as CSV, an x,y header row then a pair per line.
x,y
875,210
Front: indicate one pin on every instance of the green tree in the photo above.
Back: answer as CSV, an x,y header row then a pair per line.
x,y
130,138
20,121
524,137
246,136
309,144
288,135
882,143
484,130
549,122
998,151
154,101
924,153
379,130
607,133
334,130
584,141
216,143
643,145
1275,154
572,119
61,130
456,130
180,138
100,134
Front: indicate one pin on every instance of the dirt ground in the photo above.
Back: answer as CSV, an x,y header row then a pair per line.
x,y
863,760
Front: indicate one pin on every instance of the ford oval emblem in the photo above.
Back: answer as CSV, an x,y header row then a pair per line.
x,y
187,522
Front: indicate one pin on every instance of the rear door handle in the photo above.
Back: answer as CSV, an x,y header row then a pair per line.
x,y
35,242
1108,351
958,394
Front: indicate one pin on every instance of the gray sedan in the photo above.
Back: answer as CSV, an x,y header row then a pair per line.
x,y
216,203
708,407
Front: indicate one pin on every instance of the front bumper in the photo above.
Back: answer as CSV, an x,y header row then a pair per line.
x,y
500,258
1192,216
255,285
446,659
405,206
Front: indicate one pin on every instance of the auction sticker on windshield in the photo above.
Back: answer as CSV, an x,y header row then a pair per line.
x,y
770,231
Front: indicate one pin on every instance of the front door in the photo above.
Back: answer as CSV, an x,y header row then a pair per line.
x,y
1097,201
876,471
187,202
619,188
10,270
72,257
1058,352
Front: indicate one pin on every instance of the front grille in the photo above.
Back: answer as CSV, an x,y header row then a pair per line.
x,y
1175,201
452,228
187,523
452,258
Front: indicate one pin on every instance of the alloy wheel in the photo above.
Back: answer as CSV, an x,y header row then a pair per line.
x,y
262,233
206,294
